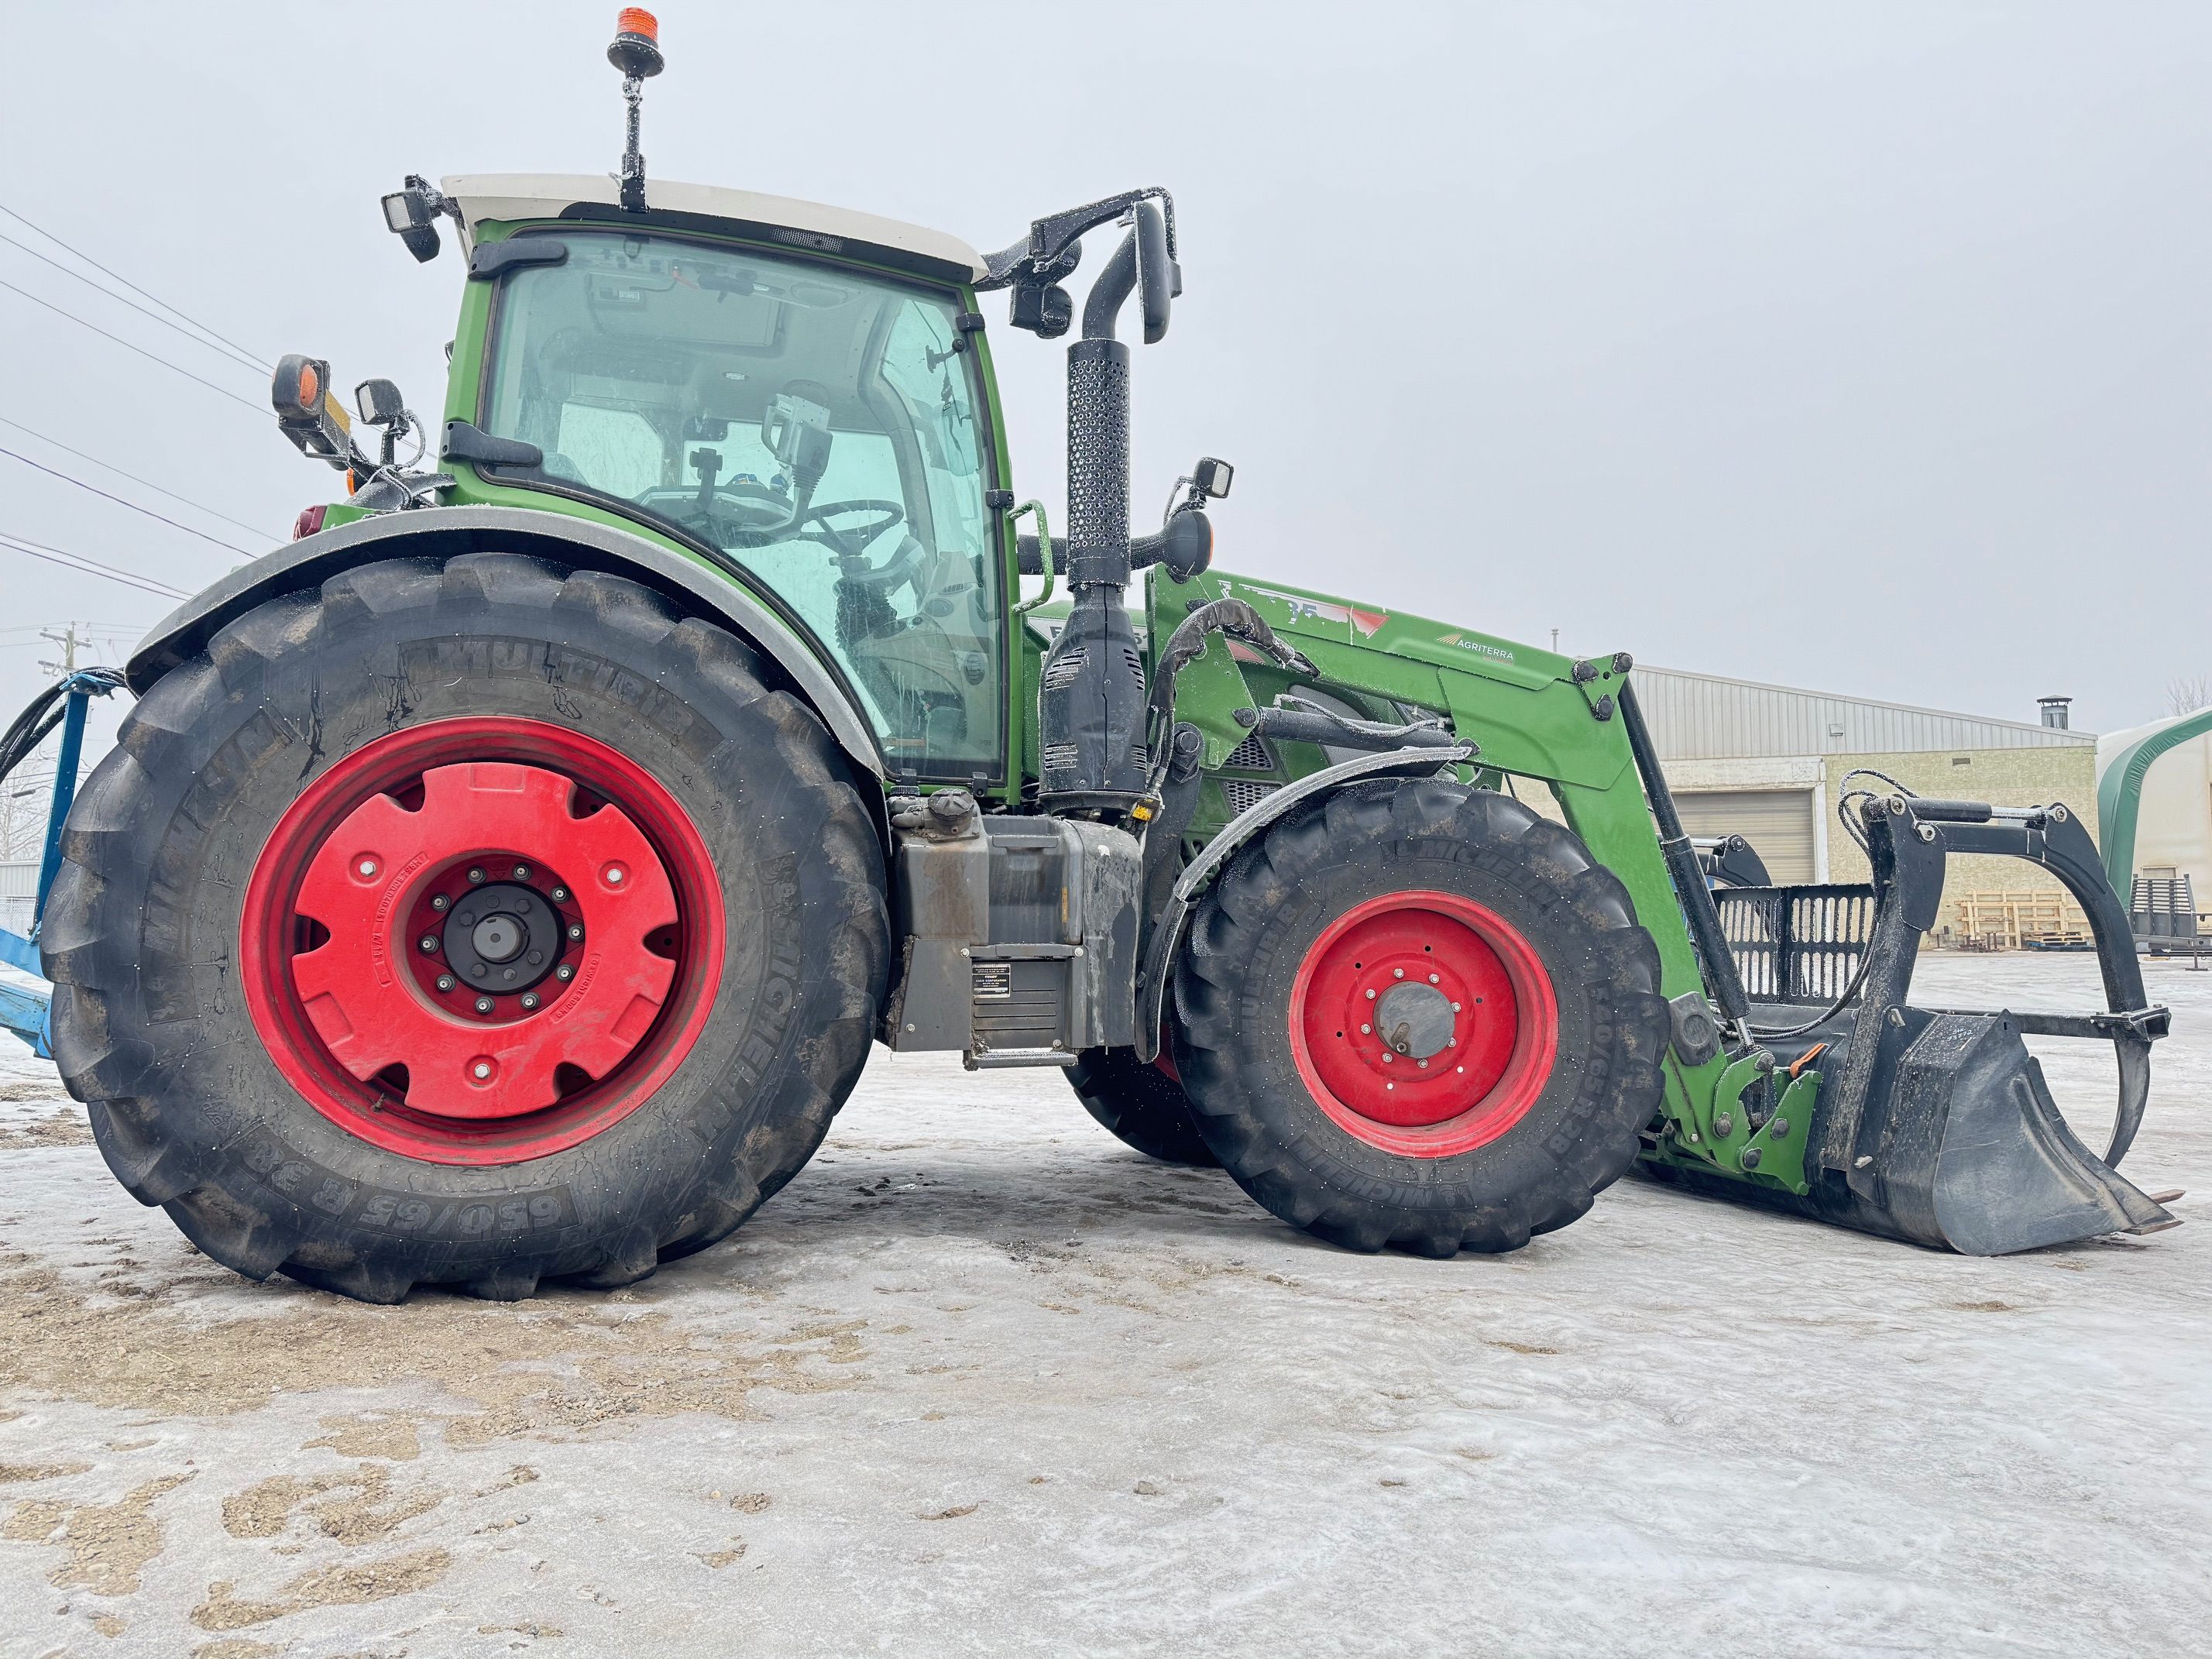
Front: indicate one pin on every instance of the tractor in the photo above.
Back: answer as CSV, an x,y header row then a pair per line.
x,y
505,881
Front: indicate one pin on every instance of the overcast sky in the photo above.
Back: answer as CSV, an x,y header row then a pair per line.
x,y
1859,346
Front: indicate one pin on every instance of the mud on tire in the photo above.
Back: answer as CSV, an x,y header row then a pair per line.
x,y
1250,953
153,1031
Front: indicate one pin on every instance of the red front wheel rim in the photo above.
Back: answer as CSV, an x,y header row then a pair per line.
x,y
1424,1023
481,940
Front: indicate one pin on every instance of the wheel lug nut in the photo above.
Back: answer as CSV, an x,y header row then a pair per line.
x,y
559,896
522,872
476,875
439,902
1366,1030
537,956
575,930
1433,979
1397,973
430,942
530,1000
1387,1059
1370,996
483,1006
1423,1065
564,973
1455,1007
445,982
481,1071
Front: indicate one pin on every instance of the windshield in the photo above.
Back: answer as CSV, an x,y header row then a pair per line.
x,y
816,425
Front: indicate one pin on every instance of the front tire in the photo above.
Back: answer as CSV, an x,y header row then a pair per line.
x,y
1141,1106
471,922
1417,1014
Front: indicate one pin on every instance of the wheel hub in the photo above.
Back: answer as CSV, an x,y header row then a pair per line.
x,y
503,938
1414,1021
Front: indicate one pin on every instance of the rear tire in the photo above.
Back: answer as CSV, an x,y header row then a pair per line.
x,y
1141,1105
675,1108
1511,962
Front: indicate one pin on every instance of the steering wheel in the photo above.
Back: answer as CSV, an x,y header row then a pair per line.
x,y
849,543
744,509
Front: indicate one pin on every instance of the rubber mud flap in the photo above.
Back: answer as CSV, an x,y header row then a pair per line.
x,y
1975,1156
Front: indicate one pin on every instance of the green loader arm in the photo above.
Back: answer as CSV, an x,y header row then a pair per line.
x,y
1535,721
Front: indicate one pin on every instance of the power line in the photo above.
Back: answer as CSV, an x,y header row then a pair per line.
x,y
224,351
252,530
257,362
163,518
87,567
141,350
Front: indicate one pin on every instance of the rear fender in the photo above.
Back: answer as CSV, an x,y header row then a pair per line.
x,y
445,532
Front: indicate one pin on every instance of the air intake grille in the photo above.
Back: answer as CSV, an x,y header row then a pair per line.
x,y
1243,791
1252,754
1062,670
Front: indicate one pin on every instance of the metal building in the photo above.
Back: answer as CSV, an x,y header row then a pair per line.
x,y
1768,762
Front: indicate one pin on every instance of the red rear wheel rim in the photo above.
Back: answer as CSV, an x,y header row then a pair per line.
x,y
1424,1023
481,940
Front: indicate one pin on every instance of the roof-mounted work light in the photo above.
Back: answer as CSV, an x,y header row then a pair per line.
x,y
412,215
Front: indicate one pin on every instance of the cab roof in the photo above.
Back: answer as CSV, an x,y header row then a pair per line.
x,y
513,196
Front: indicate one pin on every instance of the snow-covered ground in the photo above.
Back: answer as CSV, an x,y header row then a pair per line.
x,y
982,1381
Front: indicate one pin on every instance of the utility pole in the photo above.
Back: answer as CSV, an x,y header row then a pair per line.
x,y
65,763
68,641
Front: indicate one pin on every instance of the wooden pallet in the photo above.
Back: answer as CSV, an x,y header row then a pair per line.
x,y
2005,921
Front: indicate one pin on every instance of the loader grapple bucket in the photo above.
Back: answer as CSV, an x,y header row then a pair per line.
x,y
1936,1126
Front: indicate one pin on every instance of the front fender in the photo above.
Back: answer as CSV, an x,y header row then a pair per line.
x,y
445,532
1168,927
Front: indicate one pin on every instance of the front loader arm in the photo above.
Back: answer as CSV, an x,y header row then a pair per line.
x,y
1535,720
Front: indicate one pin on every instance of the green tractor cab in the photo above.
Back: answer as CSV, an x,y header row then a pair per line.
x,y
506,880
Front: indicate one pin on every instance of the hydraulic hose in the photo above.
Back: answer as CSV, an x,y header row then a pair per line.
x,y
44,712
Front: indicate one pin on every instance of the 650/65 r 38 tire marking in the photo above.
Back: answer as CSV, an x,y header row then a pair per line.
x,y
479,940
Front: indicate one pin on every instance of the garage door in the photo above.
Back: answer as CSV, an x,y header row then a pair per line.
x,y
1778,822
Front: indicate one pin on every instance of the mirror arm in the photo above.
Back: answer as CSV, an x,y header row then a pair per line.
x,y
1111,291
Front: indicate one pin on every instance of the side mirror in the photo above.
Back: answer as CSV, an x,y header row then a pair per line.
x,y
379,403
1212,476
1158,280
1188,545
412,215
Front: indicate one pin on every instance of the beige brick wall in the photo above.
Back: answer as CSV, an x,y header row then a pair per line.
x,y
2003,777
